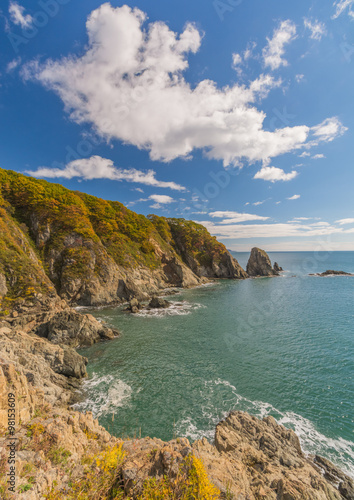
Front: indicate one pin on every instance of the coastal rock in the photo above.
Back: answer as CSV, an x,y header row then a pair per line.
x,y
3,287
55,370
158,303
259,264
277,268
71,328
330,272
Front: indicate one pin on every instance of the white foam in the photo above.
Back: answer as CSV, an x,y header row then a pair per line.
x,y
338,450
182,308
104,395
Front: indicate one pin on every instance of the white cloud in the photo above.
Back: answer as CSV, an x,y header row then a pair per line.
x,y
341,6
12,65
235,217
299,78
295,197
258,203
236,60
18,16
139,190
274,174
304,154
248,53
327,131
129,85
97,167
274,51
161,199
318,156
341,222
276,230
318,29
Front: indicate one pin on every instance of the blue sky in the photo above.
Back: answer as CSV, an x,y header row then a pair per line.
x,y
238,114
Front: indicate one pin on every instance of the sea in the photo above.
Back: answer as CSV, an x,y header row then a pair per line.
x,y
270,346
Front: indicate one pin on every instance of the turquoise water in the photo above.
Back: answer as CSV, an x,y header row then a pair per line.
x,y
281,346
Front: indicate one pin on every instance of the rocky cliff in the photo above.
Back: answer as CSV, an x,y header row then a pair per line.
x,y
91,251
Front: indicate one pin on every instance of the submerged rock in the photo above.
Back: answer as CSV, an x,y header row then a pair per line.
x,y
259,264
158,303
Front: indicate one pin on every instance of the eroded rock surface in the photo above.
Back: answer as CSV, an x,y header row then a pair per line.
x,y
259,264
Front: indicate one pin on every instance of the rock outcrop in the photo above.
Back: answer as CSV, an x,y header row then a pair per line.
x,y
277,268
71,328
330,272
259,264
158,303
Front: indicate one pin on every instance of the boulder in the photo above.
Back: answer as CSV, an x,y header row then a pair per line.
x,y
259,264
158,303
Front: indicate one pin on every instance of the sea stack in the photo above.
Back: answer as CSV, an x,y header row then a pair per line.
x,y
259,264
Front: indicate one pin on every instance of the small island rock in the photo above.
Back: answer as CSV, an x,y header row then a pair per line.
x,y
259,264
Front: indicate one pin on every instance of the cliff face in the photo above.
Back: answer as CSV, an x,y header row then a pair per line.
x,y
91,251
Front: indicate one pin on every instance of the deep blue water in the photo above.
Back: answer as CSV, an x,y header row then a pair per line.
x,y
281,346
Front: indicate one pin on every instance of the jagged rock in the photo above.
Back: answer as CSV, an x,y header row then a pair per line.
x,y
55,370
158,303
74,329
259,264
277,268
3,287
134,306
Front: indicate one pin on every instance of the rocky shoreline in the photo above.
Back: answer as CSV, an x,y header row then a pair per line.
x,y
58,448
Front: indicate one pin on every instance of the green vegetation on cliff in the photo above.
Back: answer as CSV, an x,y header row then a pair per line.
x,y
82,242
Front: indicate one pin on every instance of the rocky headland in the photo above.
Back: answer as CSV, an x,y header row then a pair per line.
x,y
60,249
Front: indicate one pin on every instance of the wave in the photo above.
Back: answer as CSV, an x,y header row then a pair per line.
x,y
182,308
220,397
104,395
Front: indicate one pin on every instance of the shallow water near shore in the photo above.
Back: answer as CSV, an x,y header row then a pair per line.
x,y
280,346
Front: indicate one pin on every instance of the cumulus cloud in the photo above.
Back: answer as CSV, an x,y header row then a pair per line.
x,y
317,29
295,197
274,174
162,199
274,51
341,6
18,16
97,167
129,86
345,221
235,217
319,156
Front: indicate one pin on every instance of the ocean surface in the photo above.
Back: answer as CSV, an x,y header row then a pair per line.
x,y
272,346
